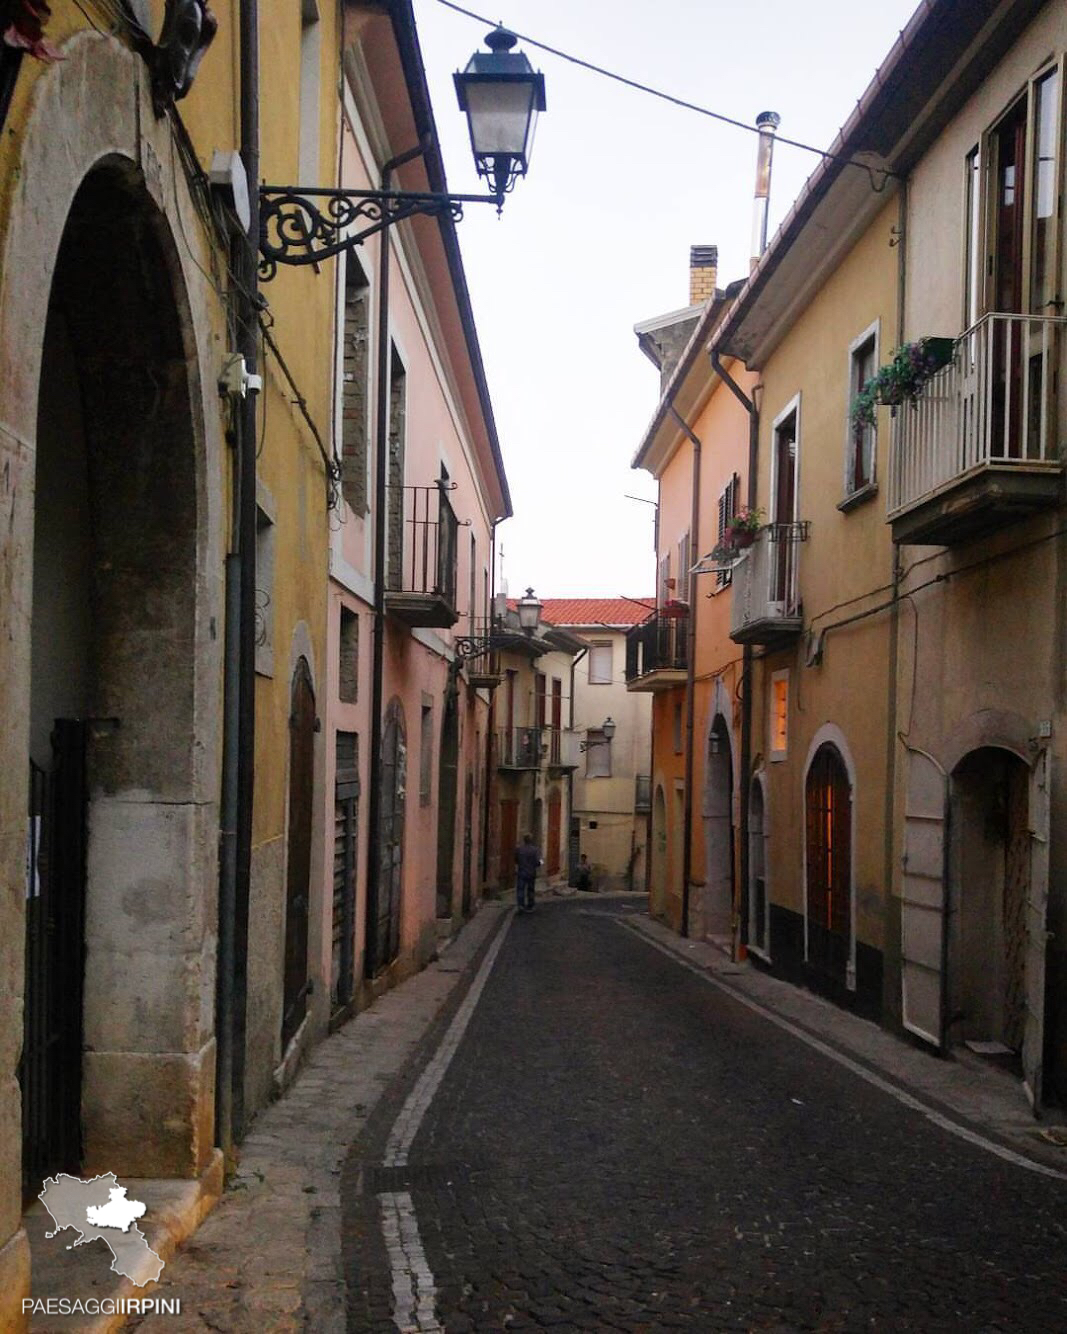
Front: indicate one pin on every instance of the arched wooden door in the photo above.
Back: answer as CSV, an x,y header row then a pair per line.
x,y
298,878
828,807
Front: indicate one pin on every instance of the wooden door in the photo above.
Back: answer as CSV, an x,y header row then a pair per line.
x,y
553,839
785,449
384,905
1009,145
298,862
828,800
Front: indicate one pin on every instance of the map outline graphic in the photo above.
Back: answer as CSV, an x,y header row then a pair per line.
x,y
68,1199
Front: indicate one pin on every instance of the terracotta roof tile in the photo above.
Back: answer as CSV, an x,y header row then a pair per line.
x,y
575,612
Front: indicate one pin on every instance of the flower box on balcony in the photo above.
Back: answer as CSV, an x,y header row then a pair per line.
x,y
903,379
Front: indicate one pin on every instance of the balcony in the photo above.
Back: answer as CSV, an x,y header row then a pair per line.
x,y
765,605
423,541
563,749
980,448
657,652
519,748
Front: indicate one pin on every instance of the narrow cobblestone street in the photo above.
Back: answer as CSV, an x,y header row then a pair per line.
x,y
619,1145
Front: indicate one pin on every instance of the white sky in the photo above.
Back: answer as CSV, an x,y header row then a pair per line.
x,y
597,237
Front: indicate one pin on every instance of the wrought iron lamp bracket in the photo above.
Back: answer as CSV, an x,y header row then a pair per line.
x,y
305,226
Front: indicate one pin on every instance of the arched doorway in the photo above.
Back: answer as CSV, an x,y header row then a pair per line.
x,y
124,805
828,812
658,860
989,892
759,906
383,908
298,861
719,831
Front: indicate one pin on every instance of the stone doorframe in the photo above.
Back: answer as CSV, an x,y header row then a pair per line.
x,y
91,109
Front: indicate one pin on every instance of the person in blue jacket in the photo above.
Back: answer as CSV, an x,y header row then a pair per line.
x,y
527,860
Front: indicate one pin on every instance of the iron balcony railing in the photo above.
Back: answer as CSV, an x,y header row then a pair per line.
x,y
994,403
430,543
659,643
519,747
765,578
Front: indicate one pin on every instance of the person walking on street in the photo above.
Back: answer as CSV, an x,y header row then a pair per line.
x,y
527,860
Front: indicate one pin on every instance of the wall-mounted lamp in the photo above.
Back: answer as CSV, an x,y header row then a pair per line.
x,y
606,730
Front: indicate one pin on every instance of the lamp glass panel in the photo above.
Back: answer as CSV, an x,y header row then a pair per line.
x,y
500,116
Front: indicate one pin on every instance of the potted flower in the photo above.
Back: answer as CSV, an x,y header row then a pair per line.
x,y
742,527
903,379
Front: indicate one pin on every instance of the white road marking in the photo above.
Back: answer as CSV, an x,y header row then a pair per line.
x,y
414,1289
913,1103
414,1292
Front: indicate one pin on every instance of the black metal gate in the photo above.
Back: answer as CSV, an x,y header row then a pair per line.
x,y
50,1072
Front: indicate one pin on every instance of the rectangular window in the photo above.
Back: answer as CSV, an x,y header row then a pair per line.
x,y
394,564
1044,232
426,752
597,754
666,591
729,504
779,721
348,654
600,665
677,729
682,590
355,367
859,459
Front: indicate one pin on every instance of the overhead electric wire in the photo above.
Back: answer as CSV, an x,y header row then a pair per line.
x,y
872,172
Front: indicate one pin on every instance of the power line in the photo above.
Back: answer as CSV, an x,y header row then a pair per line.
x,y
877,175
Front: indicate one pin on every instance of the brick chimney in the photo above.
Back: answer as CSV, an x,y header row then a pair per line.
x,y
703,271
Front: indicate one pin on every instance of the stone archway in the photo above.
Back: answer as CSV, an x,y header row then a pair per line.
x,y
989,861
147,1095
114,645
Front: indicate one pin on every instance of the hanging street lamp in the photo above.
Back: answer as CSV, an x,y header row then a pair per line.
x,y
529,609
501,94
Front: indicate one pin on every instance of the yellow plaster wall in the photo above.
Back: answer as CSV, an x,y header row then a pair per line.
x,y
848,556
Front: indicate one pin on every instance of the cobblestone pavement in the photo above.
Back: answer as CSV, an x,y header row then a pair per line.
x,y
617,1145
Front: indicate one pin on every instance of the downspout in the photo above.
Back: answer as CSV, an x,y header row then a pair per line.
x,y
892,996
572,865
690,674
381,476
746,655
490,723
239,689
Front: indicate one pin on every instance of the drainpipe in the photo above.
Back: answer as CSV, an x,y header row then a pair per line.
x,y
239,651
690,672
746,652
381,477
892,996
572,866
